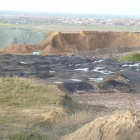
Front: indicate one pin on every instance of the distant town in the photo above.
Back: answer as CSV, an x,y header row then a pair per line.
x,y
63,20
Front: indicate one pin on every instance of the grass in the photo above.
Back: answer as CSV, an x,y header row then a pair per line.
x,y
29,110
27,136
23,103
134,57
16,92
40,29
6,24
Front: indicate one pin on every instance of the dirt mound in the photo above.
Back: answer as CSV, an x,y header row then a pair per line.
x,y
50,50
63,43
117,81
116,127
90,40
20,48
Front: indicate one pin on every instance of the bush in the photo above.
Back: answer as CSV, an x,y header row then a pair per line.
x,y
131,57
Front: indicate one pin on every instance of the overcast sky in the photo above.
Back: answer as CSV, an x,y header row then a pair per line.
x,y
114,7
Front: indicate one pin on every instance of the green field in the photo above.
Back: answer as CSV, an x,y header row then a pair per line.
x,y
74,28
85,28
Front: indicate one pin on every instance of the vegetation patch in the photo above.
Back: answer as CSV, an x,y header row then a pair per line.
x,y
131,57
28,136
18,92
33,111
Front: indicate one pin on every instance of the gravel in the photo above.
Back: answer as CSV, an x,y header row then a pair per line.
x,y
18,35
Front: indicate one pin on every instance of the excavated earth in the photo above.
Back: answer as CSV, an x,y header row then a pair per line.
x,y
116,127
90,40
93,43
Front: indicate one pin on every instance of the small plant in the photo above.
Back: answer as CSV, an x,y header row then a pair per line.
x,y
103,84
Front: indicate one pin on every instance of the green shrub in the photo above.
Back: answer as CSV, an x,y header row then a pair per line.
x,y
131,57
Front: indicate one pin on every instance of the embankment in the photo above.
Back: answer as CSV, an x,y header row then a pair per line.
x,y
90,40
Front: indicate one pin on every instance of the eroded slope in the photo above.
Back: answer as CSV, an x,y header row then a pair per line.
x,y
90,40
115,127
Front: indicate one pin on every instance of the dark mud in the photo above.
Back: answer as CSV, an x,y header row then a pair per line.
x,y
73,73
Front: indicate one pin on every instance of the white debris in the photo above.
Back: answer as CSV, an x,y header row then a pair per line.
x,y
99,61
58,82
97,69
99,79
51,71
23,63
82,69
131,65
76,80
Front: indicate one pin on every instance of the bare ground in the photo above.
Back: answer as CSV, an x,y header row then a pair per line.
x,y
110,99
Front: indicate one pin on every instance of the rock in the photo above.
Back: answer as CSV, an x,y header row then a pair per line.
x,y
76,87
45,74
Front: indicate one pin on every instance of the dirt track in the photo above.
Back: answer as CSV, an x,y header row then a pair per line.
x,y
110,99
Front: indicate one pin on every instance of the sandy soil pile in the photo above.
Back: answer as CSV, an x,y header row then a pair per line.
x,y
90,40
59,43
20,48
50,50
116,127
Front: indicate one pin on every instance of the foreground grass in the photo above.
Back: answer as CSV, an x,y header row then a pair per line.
x,y
24,103
131,57
17,93
32,111
27,136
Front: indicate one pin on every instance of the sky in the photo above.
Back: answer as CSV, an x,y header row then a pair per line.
x,y
112,7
